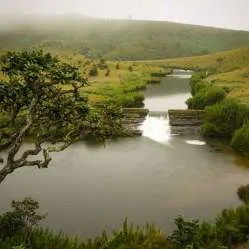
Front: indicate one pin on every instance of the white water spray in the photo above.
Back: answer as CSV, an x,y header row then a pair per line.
x,y
157,129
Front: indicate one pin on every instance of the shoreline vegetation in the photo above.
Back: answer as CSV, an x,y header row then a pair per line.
x,y
19,228
220,86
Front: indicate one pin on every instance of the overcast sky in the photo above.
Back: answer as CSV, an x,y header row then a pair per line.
x,y
220,13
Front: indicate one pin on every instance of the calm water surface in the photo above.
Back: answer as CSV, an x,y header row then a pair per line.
x,y
150,178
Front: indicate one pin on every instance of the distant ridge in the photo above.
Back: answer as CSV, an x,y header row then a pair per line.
x,y
116,39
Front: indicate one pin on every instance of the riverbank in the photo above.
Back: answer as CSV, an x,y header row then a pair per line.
x,y
230,230
116,82
90,187
229,69
142,178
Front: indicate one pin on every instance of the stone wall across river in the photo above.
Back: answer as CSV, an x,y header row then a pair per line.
x,y
185,121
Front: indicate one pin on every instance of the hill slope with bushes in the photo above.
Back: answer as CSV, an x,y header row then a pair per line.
x,y
229,69
116,39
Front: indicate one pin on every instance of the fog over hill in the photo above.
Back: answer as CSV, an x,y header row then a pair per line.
x,y
115,39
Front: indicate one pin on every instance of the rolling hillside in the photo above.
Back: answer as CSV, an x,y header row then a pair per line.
x,y
116,39
232,69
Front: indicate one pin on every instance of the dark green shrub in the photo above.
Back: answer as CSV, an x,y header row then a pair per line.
x,y
243,193
130,68
117,66
240,139
232,225
200,85
206,97
159,74
185,233
11,224
131,99
107,72
19,223
196,78
93,71
223,119
246,75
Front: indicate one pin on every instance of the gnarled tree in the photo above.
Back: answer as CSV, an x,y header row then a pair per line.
x,y
40,98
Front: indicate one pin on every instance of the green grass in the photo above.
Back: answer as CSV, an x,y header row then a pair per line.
x,y
121,86
117,39
230,69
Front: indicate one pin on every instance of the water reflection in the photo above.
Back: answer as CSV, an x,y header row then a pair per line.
x,y
195,142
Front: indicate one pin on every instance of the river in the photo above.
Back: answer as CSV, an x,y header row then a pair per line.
x,y
151,178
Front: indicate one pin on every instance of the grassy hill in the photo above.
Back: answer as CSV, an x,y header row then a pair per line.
x,y
231,69
116,39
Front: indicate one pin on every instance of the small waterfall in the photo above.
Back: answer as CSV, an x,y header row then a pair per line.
x,y
158,114
156,127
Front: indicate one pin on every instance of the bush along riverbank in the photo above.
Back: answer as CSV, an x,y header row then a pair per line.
x,y
19,229
224,117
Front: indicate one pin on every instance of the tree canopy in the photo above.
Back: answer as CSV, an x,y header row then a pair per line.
x,y
41,98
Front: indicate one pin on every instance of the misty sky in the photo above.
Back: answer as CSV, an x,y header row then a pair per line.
x,y
221,13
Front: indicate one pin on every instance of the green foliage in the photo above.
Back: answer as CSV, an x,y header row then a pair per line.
x,y
40,98
21,220
197,78
93,71
128,237
131,99
243,193
159,74
204,93
130,68
205,96
246,75
240,139
18,247
107,72
223,119
232,225
184,234
33,88
117,66
102,64
126,94
230,228
220,60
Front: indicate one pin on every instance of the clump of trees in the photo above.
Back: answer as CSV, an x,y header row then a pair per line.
x,y
40,98
21,221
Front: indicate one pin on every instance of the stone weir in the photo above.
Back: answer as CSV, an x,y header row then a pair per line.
x,y
133,118
185,121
